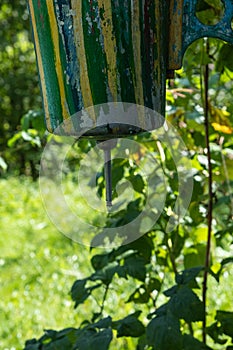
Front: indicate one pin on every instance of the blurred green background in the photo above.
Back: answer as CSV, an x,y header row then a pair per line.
x,y
38,265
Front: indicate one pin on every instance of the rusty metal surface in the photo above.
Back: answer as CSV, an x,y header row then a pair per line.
x,y
184,15
175,34
91,52
193,29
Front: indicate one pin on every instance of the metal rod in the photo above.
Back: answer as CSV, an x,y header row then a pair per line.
x,y
107,146
108,177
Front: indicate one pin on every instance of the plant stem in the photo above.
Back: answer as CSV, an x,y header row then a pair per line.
x,y
190,328
210,191
104,299
172,258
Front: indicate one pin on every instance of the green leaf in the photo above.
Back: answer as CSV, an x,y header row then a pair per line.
x,y
171,291
25,122
162,310
163,333
194,211
215,332
118,166
33,119
177,244
104,323
87,338
53,340
106,274
144,245
139,296
32,344
59,344
137,182
190,343
153,284
186,305
142,343
129,326
78,292
225,58
99,261
130,214
226,320
91,340
11,142
194,256
227,261
134,266
188,275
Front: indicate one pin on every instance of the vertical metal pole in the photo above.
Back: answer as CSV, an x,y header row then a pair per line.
x,y
107,146
108,177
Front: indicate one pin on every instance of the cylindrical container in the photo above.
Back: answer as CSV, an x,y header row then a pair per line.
x,y
91,52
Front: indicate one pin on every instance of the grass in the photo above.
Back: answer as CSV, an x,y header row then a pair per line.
x,y
38,267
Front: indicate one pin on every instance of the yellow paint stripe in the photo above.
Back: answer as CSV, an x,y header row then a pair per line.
x,y
175,34
80,47
136,39
40,67
109,45
58,65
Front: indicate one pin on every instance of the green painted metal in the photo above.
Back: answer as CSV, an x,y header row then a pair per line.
x,y
185,28
193,29
91,52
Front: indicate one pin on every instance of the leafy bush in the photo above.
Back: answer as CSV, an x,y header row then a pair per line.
x,y
150,293
19,87
161,275
27,144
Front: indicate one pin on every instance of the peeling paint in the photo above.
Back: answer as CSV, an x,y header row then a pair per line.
x,y
185,28
91,52
100,51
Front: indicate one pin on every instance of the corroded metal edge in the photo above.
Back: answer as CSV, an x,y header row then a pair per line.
x,y
185,28
175,34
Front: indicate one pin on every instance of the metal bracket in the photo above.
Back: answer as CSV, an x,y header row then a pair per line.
x,y
193,29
